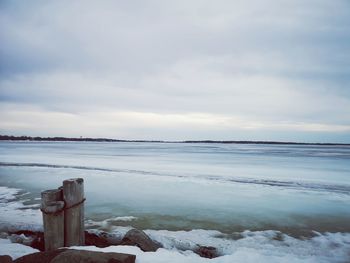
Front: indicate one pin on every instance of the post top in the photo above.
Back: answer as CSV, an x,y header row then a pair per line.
x,y
72,180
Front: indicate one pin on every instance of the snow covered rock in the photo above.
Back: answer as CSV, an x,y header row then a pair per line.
x,y
34,239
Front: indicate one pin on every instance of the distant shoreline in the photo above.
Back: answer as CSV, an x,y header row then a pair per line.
x,y
67,139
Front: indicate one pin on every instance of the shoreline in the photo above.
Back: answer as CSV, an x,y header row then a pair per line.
x,y
267,246
11,138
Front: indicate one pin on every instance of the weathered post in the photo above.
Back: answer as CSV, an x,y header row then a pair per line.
x,y
73,196
53,218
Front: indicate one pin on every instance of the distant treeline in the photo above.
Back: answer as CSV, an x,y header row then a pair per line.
x,y
64,139
266,142
81,139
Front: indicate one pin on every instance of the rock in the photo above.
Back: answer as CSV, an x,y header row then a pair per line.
x,y
77,256
111,239
36,238
39,242
5,259
26,232
92,239
21,239
207,252
40,257
135,237
4,235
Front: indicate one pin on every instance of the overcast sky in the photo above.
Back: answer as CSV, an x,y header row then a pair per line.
x,y
175,70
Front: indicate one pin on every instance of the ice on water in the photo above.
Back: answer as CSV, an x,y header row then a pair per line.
x,y
169,188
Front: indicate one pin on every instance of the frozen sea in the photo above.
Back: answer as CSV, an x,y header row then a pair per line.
x,y
285,202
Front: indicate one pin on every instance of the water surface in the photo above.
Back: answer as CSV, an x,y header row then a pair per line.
x,y
227,187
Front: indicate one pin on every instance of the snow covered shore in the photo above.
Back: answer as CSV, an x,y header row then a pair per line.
x,y
253,247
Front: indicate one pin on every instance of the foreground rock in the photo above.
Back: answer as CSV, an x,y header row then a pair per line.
x,y
40,257
76,256
92,239
207,252
135,237
36,239
5,259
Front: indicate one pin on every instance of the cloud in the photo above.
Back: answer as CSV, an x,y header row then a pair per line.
x,y
166,126
281,68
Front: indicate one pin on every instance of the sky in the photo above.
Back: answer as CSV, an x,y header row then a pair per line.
x,y
176,70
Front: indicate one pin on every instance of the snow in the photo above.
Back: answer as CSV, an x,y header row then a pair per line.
x,y
14,215
323,248
14,250
253,246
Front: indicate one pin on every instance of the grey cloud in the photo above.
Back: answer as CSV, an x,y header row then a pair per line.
x,y
268,60
142,36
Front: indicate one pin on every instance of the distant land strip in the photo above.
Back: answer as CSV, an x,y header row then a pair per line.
x,y
82,139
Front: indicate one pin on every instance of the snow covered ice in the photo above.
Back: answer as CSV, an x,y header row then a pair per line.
x,y
272,203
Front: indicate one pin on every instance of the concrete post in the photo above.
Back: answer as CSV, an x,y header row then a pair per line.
x,y
73,196
53,218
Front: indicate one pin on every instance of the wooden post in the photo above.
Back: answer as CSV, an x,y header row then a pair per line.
x,y
73,195
53,217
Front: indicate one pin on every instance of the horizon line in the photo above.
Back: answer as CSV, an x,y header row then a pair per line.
x,y
87,139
